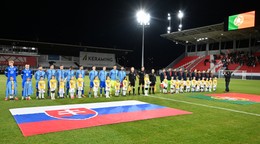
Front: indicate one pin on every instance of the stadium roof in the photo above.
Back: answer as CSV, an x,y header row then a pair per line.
x,y
211,34
38,43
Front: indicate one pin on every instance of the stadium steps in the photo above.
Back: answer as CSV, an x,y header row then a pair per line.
x,y
183,62
251,69
200,64
233,66
194,63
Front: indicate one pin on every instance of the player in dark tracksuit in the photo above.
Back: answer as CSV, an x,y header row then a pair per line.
x,y
141,80
152,78
162,75
132,78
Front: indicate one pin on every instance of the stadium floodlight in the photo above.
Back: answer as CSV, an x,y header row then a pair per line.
x,y
169,19
143,18
180,16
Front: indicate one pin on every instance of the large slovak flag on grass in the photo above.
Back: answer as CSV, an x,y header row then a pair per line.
x,y
40,120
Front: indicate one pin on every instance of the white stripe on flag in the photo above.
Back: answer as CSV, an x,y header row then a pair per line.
x,y
32,110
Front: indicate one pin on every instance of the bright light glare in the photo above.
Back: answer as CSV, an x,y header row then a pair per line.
x,y
143,18
180,26
180,14
169,28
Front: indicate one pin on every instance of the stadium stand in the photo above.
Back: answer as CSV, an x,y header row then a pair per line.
x,y
211,48
203,64
185,61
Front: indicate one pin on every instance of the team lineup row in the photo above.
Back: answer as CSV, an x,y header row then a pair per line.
x,y
70,82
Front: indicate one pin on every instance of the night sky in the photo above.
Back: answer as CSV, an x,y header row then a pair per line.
x,y
112,23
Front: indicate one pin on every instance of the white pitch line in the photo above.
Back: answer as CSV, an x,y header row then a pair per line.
x,y
209,106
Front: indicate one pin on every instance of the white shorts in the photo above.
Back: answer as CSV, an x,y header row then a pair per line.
x,y
80,88
124,88
72,90
95,89
61,91
107,88
41,91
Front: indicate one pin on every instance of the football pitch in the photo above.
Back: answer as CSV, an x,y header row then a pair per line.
x,y
210,121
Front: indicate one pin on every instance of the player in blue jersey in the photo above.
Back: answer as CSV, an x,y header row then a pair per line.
x,y
11,90
25,74
113,76
69,73
38,74
92,74
60,73
49,73
102,77
121,76
10,71
81,72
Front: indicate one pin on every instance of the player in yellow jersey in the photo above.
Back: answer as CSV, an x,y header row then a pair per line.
x,y
80,82
172,87
96,85
193,84
215,83
206,89
62,88
177,86
146,84
181,86
72,87
202,84
210,84
188,84
164,85
41,87
125,86
53,86
198,83
117,87
108,86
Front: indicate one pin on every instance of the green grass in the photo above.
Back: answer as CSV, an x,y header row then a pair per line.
x,y
205,125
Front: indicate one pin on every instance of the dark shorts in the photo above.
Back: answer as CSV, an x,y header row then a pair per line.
x,y
91,84
132,83
141,82
152,84
102,84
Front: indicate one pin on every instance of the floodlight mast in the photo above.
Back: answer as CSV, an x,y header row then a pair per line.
x,y
169,27
180,16
143,18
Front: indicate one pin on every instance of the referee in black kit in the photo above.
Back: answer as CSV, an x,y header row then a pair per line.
x,y
141,80
227,75
132,78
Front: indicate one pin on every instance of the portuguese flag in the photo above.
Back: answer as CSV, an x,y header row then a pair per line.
x,y
243,20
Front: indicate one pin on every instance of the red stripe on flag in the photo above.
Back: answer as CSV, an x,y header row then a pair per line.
x,y
34,128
